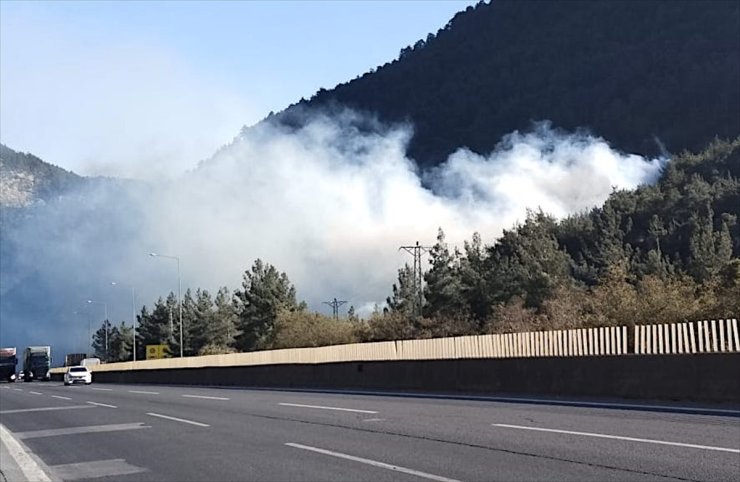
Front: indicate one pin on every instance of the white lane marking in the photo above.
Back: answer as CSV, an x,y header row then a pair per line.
x,y
18,389
327,408
36,393
102,405
143,392
475,398
27,464
206,397
103,389
374,463
619,437
60,397
78,430
373,420
179,419
43,409
95,469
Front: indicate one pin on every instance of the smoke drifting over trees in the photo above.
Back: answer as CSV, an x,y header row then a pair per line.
x,y
328,203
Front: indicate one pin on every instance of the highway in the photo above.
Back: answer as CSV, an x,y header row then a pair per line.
x,y
109,432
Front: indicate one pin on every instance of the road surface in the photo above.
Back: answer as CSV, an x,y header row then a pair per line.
x,y
109,432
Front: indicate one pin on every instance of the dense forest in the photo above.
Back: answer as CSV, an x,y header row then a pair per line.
x,y
661,253
644,74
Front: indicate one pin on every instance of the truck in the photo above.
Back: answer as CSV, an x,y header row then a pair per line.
x,y
90,362
8,361
37,363
74,359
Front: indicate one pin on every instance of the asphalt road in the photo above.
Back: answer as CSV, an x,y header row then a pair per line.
x,y
136,432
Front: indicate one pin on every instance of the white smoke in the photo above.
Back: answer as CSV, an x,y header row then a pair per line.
x,y
329,203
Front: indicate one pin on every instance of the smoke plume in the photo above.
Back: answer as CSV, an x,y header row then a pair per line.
x,y
329,202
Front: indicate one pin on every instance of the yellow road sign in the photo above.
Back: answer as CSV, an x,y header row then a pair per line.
x,y
156,351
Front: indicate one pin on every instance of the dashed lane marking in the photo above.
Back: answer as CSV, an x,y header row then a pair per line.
x,y
102,405
191,422
322,407
103,389
374,463
206,397
143,392
43,409
60,397
36,393
619,437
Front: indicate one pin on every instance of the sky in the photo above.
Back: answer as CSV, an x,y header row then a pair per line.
x,y
145,89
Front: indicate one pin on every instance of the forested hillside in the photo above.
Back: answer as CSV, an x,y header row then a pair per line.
x,y
26,179
638,73
661,253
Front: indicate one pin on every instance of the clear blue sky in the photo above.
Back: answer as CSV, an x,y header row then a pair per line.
x,y
144,87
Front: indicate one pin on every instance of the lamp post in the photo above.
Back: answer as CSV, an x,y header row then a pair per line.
x,y
133,313
105,322
179,289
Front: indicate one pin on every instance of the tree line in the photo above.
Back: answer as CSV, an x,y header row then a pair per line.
x,y
666,252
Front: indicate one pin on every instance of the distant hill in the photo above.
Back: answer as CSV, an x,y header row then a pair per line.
x,y
641,74
26,179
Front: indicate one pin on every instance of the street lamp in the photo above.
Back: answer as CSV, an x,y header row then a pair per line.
x,y
133,313
179,289
105,308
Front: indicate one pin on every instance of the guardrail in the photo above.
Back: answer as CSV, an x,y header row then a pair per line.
x,y
706,336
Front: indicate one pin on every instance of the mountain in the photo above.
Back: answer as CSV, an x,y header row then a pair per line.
x,y
642,74
26,179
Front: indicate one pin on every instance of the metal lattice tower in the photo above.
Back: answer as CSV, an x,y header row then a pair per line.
x,y
417,251
335,307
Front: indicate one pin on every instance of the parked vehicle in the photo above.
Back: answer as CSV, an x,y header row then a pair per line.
x,y
37,363
78,374
8,361
74,359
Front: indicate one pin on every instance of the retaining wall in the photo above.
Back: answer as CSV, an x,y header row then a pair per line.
x,y
707,377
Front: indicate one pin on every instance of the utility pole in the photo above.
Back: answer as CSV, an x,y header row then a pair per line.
x,y
417,251
335,307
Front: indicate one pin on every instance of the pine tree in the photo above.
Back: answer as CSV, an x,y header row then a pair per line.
x,y
156,328
405,293
472,278
120,343
222,331
101,341
265,291
443,291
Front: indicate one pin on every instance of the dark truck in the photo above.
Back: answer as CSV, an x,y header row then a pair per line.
x,y
74,359
8,361
37,363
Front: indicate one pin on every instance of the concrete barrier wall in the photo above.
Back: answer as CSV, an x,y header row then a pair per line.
x,y
711,377
674,338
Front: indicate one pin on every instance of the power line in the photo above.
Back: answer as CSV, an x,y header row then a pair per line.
x,y
417,251
335,304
